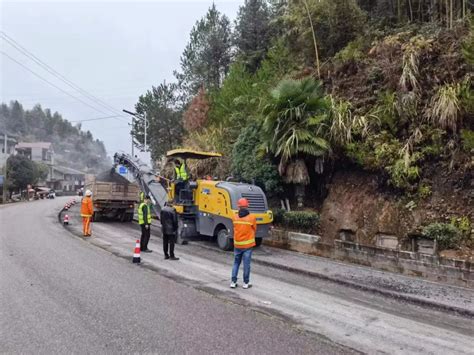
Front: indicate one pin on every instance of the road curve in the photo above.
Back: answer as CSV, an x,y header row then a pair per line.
x,y
61,295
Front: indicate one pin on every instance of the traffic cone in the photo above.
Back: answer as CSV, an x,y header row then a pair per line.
x,y
136,254
66,220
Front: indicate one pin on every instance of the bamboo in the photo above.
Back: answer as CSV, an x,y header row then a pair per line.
x,y
447,13
399,11
411,10
451,14
314,38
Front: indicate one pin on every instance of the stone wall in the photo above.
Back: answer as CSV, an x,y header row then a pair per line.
x,y
357,208
432,267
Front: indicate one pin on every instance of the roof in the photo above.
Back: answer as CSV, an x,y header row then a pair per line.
x,y
44,145
66,170
191,154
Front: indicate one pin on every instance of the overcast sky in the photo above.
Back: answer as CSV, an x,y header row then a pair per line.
x,y
115,50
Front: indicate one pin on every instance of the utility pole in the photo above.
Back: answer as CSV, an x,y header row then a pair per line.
x,y
145,126
131,134
5,183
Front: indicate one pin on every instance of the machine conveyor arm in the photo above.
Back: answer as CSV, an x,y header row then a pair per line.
x,y
146,179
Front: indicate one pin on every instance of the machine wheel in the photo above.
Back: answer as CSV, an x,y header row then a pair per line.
x,y
258,241
96,217
180,241
223,240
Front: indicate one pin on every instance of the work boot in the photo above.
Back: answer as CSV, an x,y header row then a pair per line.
x,y
174,258
148,251
167,257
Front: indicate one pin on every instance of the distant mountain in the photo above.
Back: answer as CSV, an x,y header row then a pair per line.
x,y
73,147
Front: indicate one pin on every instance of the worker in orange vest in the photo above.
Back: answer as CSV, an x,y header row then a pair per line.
x,y
87,211
245,227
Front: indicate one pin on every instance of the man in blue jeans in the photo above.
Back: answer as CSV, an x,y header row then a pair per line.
x,y
245,227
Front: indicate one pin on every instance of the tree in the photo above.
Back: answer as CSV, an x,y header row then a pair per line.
x,y
293,128
334,23
73,147
252,33
396,11
21,171
197,113
468,45
41,171
207,56
248,166
165,125
16,119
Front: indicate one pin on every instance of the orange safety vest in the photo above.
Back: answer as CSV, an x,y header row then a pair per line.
x,y
87,210
244,231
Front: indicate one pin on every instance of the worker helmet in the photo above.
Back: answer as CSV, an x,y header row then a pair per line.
x,y
243,202
88,193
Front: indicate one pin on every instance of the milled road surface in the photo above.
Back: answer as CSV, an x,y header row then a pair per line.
x,y
59,294
281,301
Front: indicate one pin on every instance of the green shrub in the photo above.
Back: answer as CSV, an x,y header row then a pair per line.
x,y
249,166
362,153
354,51
467,137
447,235
424,191
401,176
278,215
303,221
463,224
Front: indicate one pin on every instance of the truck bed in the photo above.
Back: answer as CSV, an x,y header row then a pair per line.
x,y
111,191
110,186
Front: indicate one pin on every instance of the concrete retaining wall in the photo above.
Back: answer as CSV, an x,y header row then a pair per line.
x,y
451,271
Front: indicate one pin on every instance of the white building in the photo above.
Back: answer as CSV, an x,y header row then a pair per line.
x,y
7,143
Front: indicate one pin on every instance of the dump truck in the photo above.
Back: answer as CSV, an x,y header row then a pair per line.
x,y
113,195
204,207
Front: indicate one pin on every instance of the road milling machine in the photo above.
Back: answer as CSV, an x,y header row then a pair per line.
x,y
205,207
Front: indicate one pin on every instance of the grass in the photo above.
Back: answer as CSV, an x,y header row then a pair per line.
x,y
445,107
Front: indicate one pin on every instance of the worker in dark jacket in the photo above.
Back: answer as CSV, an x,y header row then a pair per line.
x,y
169,228
144,220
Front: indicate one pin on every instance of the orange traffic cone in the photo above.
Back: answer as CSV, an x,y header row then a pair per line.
x,y
136,254
66,220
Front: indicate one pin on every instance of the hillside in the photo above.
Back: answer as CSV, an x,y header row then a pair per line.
x,y
73,147
355,111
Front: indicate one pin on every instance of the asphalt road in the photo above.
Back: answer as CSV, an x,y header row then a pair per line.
x,y
62,294
369,322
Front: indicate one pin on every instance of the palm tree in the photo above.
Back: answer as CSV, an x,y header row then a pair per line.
x,y
293,127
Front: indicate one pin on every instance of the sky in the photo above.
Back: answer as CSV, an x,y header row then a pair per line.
x,y
113,50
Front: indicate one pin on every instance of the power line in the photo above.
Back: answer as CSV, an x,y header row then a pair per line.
x,y
94,119
55,73
50,83
52,71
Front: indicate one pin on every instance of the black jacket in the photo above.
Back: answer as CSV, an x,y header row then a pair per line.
x,y
169,220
